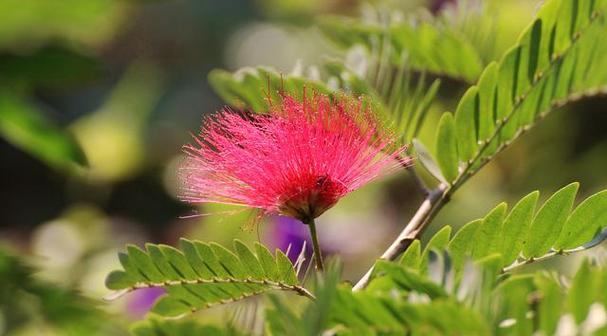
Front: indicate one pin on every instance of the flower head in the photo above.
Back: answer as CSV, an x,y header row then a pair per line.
x,y
297,160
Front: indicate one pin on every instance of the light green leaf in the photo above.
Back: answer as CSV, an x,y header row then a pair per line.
x,y
251,87
429,46
551,304
412,256
428,161
154,326
462,243
516,227
581,294
488,239
446,147
585,222
389,275
439,242
547,224
465,120
487,92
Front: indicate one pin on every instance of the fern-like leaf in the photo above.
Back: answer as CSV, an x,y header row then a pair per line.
x,y
428,47
182,327
525,235
201,275
559,58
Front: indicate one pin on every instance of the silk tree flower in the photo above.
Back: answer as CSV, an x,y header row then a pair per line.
x,y
298,160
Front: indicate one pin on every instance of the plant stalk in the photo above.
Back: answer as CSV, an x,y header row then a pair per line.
x,y
434,201
317,254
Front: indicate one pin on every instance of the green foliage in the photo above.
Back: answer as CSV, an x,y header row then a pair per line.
x,y
521,305
24,126
446,147
51,68
201,275
558,58
244,88
456,285
547,224
397,98
72,20
378,310
586,221
54,308
518,238
427,47
540,302
160,327
539,242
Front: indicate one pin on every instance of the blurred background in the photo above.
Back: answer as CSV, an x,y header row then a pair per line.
x,y
98,96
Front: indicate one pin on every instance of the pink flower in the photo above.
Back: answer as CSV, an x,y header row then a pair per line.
x,y
298,160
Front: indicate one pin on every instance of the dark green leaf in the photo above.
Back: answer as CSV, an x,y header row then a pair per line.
x,y
201,275
25,127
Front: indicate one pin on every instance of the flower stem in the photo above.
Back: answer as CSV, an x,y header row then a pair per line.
x,y
317,255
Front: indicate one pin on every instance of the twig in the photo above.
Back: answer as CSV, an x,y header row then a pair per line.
x,y
601,237
434,200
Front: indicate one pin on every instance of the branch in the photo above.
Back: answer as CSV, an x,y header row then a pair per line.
x,y
299,290
435,199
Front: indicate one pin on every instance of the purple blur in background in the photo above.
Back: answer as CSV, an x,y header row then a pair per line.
x,y
142,300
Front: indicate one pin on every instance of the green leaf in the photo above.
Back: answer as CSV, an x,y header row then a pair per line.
x,y
585,222
438,242
57,309
412,256
462,243
52,67
285,268
486,109
551,304
581,294
427,160
249,261
446,147
495,235
429,46
488,239
389,276
199,275
547,224
372,312
81,23
154,326
465,120
251,87
25,127
516,227
267,261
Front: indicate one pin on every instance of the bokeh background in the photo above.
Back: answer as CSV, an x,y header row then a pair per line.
x,y
127,79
